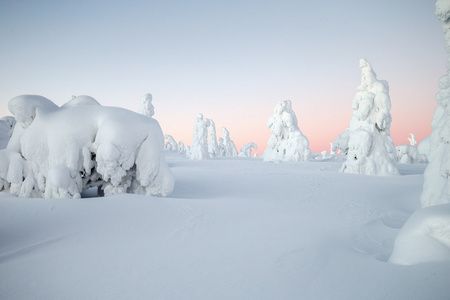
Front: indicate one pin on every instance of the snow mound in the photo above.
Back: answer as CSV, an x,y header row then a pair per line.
x,y
425,237
287,142
367,142
408,154
60,152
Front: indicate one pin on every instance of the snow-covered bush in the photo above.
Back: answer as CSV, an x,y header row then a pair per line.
x,y
199,145
58,152
436,187
408,154
6,129
370,149
171,144
147,108
287,143
425,237
246,149
228,145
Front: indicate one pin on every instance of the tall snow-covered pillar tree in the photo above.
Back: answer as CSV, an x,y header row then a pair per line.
x,y
287,142
436,187
371,150
147,108
199,145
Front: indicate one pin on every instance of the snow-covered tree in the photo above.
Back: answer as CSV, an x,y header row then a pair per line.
x,y
424,149
287,143
370,147
246,149
412,139
436,187
181,148
147,108
199,145
408,154
171,144
229,146
213,147
6,129
58,152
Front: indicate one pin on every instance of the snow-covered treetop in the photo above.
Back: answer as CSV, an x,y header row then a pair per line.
x,y
443,10
147,106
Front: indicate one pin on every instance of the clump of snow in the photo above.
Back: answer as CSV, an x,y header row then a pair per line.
x,y
199,145
412,139
340,144
171,144
436,187
147,108
58,152
408,154
370,149
246,149
287,142
425,237
6,129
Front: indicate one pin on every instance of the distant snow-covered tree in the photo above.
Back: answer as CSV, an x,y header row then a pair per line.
x,y
436,187
371,150
286,143
199,145
58,152
147,108
213,147
408,154
229,146
6,129
412,139
246,149
181,148
171,144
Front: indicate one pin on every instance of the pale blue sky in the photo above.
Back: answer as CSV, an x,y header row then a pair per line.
x,y
230,60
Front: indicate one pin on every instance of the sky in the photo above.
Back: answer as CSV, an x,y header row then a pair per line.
x,y
230,60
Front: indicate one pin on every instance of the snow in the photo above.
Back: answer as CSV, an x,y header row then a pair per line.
x,y
424,238
227,145
287,142
199,145
147,108
370,149
246,149
436,187
6,129
408,154
231,229
52,153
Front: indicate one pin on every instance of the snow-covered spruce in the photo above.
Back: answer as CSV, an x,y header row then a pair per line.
x,y
213,146
171,144
246,149
370,149
436,187
287,142
147,108
199,145
58,152
228,146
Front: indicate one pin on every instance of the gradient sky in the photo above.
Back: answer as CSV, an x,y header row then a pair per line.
x,y
230,60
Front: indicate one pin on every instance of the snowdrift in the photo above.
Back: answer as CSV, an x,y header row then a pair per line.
x,y
59,152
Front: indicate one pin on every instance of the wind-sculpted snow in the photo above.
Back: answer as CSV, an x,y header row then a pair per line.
x,y
424,238
60,152
246,149
287,142
370,149
147,108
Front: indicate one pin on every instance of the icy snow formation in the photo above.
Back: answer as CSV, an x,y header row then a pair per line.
x,y
246,149
199,145
412,139
147,108
287,143
424,149
408,154
370,149
425,237
229,148
6,129
436,187
171,144
58,152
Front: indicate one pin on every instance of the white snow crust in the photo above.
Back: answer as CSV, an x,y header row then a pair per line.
x,y
287,142
370,149
59,152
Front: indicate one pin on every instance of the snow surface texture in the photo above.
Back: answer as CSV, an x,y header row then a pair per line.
x,y
436,187
52,154
425,237
6,129
370,149
287,142
231,229
147,108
